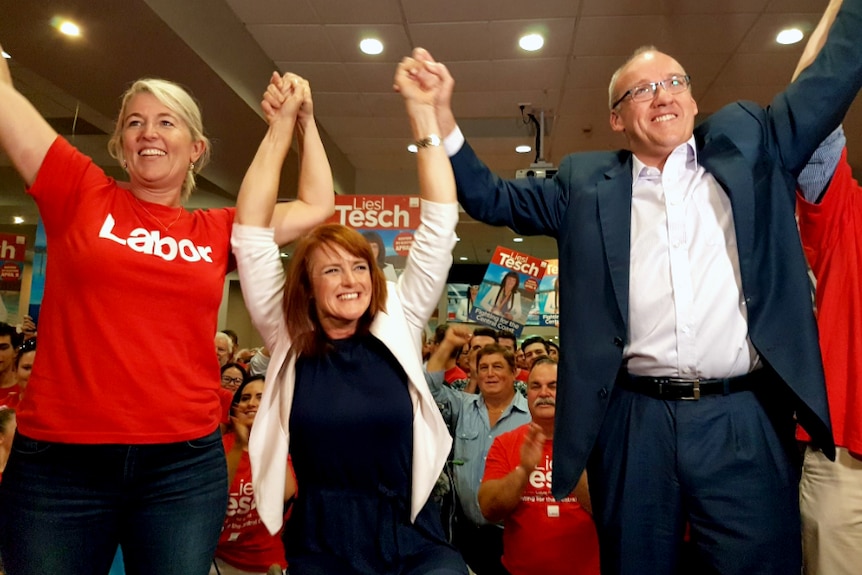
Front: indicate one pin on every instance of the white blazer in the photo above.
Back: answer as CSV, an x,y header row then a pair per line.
x,y
409,305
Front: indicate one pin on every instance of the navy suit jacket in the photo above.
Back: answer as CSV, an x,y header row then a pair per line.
x,y
755,154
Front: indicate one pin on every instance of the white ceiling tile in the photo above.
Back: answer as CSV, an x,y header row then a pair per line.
x,y
274,12
357,12
302,43
323,76
451,41
621,35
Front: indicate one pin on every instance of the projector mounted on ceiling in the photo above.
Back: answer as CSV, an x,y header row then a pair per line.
x,y
537,170
540,168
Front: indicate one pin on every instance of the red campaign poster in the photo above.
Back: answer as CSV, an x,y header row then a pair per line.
x,y
388,222
508,290
12,254
546,306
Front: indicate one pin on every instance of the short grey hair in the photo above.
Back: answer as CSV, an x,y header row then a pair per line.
x,y
222,336
613,85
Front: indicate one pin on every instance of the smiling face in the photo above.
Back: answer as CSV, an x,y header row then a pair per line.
x,y
249,401
231,379
657,126
341,284
496,376
157,146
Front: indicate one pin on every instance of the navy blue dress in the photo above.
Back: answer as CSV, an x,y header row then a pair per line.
x,y
351,441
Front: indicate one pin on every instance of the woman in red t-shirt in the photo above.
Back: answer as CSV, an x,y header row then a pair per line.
x,y
118,443
245,545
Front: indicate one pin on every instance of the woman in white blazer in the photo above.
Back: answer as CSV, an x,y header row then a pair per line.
x,y
349,400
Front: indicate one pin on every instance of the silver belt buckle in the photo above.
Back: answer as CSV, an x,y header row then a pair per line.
x,y
696,394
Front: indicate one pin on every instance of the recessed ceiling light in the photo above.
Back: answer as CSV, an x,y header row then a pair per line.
x,y
789,36
412,148
6,54
517,240
531,42
463,259
371,46
67,27
523,149
18,220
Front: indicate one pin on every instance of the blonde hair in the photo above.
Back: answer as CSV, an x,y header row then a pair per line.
x,y
178,101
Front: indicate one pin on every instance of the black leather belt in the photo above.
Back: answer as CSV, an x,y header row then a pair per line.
x,y
672,388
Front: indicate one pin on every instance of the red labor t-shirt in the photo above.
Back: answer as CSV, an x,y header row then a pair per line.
x,y
245,543
128,313
542,535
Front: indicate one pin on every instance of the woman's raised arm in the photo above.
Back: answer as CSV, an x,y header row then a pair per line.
x,y
25,136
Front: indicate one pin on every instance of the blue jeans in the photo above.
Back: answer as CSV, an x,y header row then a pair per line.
x,y
64,508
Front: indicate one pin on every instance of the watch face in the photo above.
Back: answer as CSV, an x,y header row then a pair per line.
x,y
430,140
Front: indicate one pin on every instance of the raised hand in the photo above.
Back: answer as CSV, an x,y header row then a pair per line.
x,y
242,432
445,83
419,82
532,448
283,97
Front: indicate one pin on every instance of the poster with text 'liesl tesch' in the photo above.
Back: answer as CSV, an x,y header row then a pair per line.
x,y
12,253
387,222
546,307
508,290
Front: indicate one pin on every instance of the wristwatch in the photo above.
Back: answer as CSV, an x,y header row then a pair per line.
x,y
431,140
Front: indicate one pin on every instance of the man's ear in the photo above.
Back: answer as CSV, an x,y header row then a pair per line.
x,y
616,122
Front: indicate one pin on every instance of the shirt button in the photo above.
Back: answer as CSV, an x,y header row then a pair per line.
x,y
618,341
603,393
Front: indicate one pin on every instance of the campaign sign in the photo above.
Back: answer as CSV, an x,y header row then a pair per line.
x,y
508,290
387,222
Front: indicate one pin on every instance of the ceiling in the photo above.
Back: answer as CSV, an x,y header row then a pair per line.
x,y
224,51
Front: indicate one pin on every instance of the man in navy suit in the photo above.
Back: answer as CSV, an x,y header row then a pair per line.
x,y
686,308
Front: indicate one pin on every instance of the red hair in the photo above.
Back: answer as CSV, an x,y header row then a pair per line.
x,y
300,312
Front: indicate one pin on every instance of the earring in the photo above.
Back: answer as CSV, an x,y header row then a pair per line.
x,y
125,165
191,166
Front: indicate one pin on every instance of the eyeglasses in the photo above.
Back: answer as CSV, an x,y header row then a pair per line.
x,y
644,92
233,380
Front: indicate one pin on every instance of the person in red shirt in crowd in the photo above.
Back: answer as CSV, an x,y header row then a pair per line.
x,y
10,339
246,547
127,451
541,534
829,209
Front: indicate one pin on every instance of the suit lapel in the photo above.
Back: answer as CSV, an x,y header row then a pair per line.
x,y
615,216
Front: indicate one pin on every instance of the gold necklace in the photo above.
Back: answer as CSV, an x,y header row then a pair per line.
x,y
166,227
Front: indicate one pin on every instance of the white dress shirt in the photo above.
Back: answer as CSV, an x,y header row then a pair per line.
x,y
687,315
